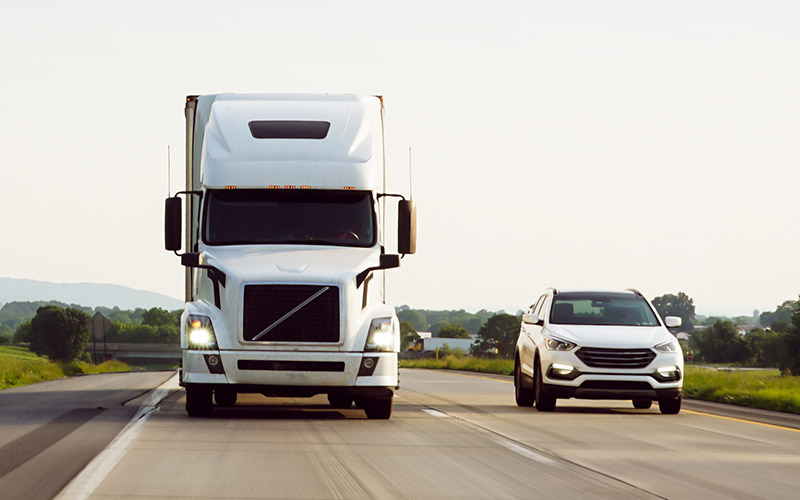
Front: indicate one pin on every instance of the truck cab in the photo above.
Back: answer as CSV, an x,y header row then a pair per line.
x,y
282,223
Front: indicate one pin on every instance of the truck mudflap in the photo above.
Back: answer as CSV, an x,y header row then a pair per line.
x,y
290,369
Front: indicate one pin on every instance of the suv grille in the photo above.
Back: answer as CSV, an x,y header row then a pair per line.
x,y
597,357
268,307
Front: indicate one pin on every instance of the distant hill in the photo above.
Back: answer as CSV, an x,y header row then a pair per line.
x,y
85,294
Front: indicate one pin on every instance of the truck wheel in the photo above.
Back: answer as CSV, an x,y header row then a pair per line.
x,y
522,394
544,401
340,401
378,408
225,397
198,401
642,404
671,406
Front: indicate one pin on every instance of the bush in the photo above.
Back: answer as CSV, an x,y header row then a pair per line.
x,y
60,334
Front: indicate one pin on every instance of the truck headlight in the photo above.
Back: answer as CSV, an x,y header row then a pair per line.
x,y
381,336
200,332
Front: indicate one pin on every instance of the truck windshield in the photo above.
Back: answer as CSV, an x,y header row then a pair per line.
x,y
288,216
620,309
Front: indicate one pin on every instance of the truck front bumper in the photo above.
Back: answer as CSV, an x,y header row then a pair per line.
x,y
282,371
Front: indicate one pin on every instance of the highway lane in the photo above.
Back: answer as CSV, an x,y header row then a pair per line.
x,y
51,430
452,435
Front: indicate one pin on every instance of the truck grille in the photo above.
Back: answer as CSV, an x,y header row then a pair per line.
x,y
597,357
291,313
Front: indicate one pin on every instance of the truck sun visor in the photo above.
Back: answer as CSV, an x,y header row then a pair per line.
x,y
282,129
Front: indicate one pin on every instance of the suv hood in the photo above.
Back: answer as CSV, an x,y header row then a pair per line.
x,y
612,336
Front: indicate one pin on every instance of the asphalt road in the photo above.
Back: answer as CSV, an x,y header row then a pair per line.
x,y
51,430
452,435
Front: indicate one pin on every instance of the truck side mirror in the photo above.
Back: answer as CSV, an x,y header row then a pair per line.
x,y
530,318
406,227
389,261
673,321
172,224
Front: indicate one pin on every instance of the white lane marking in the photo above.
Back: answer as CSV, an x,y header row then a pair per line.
x,y
435,413
525,452
96,471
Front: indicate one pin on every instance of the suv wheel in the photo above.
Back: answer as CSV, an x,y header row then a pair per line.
x,y
670,406
544,401
522,394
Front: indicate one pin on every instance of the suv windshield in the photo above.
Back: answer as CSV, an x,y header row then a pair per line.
x,y
591,308
272,216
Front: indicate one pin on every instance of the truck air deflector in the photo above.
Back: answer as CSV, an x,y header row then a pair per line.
x,y
289,129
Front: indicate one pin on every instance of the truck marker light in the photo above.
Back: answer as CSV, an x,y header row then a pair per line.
x,y
230,187
196,324
350,188
305,187
274,187
289,187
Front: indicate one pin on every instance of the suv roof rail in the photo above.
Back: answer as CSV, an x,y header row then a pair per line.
x,y
637,292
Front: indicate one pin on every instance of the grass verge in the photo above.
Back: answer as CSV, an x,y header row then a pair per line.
x,y
466,363
19,366
763,389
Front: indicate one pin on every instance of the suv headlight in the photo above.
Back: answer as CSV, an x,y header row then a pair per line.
x,y
667,347
557,344
200,332
381,336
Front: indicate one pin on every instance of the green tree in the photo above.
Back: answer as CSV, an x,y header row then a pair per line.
x,y
766,346
60,334
721,343
680,305
790,362
407,335
453,331
416,318
23,333
781,315
157,317
499,332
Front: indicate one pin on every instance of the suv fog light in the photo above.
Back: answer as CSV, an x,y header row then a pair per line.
x,y
562,371
667,374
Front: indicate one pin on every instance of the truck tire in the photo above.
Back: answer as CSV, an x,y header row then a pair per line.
x,y
671,406
378,408
340,401
522,394
198,401
225,397
544,401
642,404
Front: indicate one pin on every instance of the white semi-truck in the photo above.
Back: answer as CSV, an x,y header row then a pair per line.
x,y
283,228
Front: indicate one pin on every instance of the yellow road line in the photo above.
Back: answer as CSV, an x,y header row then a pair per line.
x,y
734,419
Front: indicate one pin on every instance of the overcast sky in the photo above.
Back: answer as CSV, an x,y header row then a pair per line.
x,y
602,144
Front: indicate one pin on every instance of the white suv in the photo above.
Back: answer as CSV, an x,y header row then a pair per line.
x,y
597,345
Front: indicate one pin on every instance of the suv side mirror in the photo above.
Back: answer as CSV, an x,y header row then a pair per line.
x,y
172,224
673,321
406,227
530,318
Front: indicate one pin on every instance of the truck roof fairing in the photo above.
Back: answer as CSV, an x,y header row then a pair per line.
x,y
243,146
